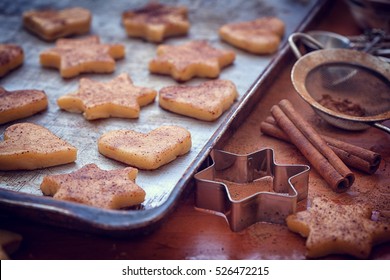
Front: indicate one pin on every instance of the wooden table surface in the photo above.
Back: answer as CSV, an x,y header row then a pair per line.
x,y
191,234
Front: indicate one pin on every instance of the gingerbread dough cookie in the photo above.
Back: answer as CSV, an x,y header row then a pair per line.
x,y
19,104
259,36
116,98
332,228
206,101
113,189
156,21
30,146
87,55
52,24
192,59
11,57
146,151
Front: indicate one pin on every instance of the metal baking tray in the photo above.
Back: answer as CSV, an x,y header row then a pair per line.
x,y
19,191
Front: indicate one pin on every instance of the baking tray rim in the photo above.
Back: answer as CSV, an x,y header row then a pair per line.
x,y
132,222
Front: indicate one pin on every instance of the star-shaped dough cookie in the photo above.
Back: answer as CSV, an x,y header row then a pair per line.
x,y
146,150
19,104
87,55
332,228
156,21
192,59
11,56
30,146
206,101
52,24
259,36
9,243
116,98
113,189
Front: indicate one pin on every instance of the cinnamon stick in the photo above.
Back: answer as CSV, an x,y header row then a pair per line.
x,y
371,157
313,147
353,156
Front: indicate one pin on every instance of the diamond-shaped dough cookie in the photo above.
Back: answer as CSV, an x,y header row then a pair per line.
x,y
206,101
11,57
19,104
146,151
111,189
30,146
116,98
192,59
51,24
332,228
86,55
156,21
259,36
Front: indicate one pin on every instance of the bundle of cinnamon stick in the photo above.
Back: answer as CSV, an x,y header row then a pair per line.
x,y
327,155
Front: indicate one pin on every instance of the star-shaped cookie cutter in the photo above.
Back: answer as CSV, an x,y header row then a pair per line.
x,y
290,185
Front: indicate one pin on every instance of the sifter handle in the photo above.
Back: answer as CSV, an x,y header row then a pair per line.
x,y
296,36
381,127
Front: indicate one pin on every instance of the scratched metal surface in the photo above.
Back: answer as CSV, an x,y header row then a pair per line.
x,y
164,185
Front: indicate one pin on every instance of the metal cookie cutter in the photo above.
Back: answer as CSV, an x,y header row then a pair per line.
x,y
290,185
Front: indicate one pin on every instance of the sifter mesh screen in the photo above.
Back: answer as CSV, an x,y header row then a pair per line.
x,y
349,89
